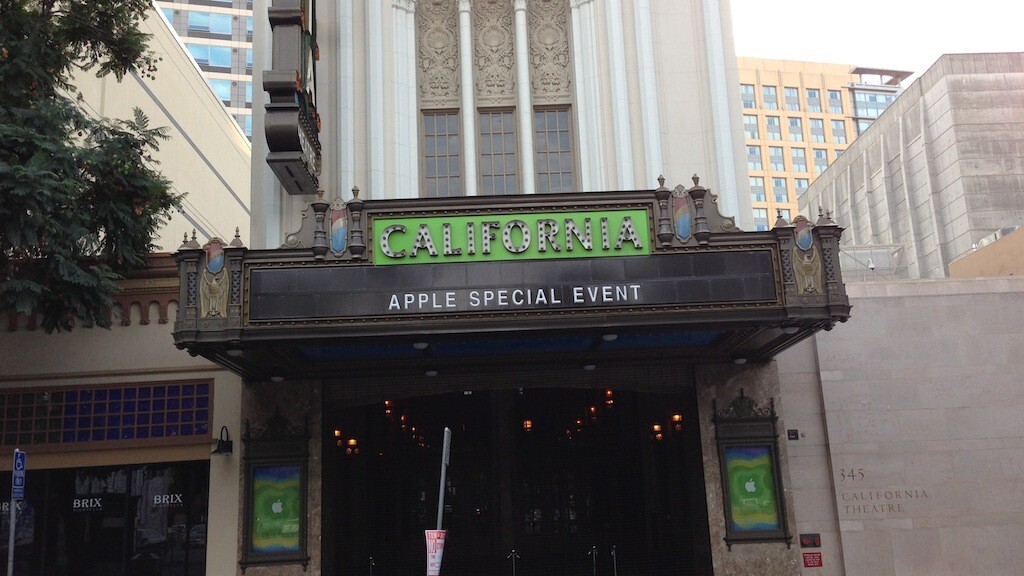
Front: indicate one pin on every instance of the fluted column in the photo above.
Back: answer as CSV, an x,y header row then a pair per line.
x,y
524,104
648,96
468,100
623,142
401,95
413,159
582,123
374,98
347,99
719,97
592,84
406,137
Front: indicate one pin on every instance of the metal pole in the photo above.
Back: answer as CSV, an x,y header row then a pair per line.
x,y
10,537
371,565
513,556
593,552
445,455
615,563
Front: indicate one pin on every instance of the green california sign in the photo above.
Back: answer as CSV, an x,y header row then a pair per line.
x,y
513,236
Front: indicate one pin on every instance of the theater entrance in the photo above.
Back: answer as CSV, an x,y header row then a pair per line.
x,y
602,481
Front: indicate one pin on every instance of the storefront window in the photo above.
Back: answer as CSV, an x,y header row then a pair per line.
x,y
137,520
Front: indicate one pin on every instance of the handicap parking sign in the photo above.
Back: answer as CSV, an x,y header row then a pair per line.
x,y
18,476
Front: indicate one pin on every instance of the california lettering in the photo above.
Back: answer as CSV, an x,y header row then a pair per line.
x,y
511,237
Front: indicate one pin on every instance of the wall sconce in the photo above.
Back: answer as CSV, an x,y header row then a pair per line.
x,y
656,433
527,425
224,444
677,422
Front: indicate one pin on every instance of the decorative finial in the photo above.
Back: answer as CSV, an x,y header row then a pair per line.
x,y
238,233
184,237
696,180
237,242
320,193
193,234
355,191
661,181
778,212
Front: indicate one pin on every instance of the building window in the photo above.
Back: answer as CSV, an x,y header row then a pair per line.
x,y
771,97
813,100
210,23
222,88
773,127
792,99
799,156
871,104
779,190
862,125
248,27
784,214
754,158
248,94
839,153
211,56
817,130
775,158
168,14
820,160
757,189
801,185
133,412
747,94
247,125
552,142
796,130
498,165
760,219
835,102
750,127
838,132
442,155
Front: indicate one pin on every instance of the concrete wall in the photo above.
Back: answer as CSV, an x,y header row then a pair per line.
x,y
922,401
940,169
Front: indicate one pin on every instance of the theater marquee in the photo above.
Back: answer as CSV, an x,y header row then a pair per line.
x,y
656,261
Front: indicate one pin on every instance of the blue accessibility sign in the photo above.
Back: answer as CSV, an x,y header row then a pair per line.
x,y
18,476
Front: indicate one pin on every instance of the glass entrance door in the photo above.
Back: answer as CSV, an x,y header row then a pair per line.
x,y
577,482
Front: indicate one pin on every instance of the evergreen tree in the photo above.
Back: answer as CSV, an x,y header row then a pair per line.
x,y
80,202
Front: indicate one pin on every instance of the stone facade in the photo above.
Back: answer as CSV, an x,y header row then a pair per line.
x,y
909,450
941,168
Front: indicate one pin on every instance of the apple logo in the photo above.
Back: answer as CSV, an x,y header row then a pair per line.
x,y
750,486
277,507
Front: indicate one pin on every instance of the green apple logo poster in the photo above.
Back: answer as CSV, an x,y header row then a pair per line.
x,y
751,488
276,502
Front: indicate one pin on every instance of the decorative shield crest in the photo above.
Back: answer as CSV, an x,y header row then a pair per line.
x,y
215,255
339,227
802,226
681,215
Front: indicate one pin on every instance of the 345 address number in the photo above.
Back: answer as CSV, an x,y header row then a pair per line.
x,y
851,474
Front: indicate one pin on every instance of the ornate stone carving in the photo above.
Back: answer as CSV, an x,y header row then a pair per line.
x,y
437,39
493,53
551,67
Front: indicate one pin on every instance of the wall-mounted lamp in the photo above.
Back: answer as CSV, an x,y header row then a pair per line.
x,y
224,444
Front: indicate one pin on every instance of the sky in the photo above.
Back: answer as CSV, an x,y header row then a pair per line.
x,y
894,34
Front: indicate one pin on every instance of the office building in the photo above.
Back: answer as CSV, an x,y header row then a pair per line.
x,y
798,117
938,174
218,35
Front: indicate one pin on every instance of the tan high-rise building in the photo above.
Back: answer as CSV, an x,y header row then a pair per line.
x,y
798,117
